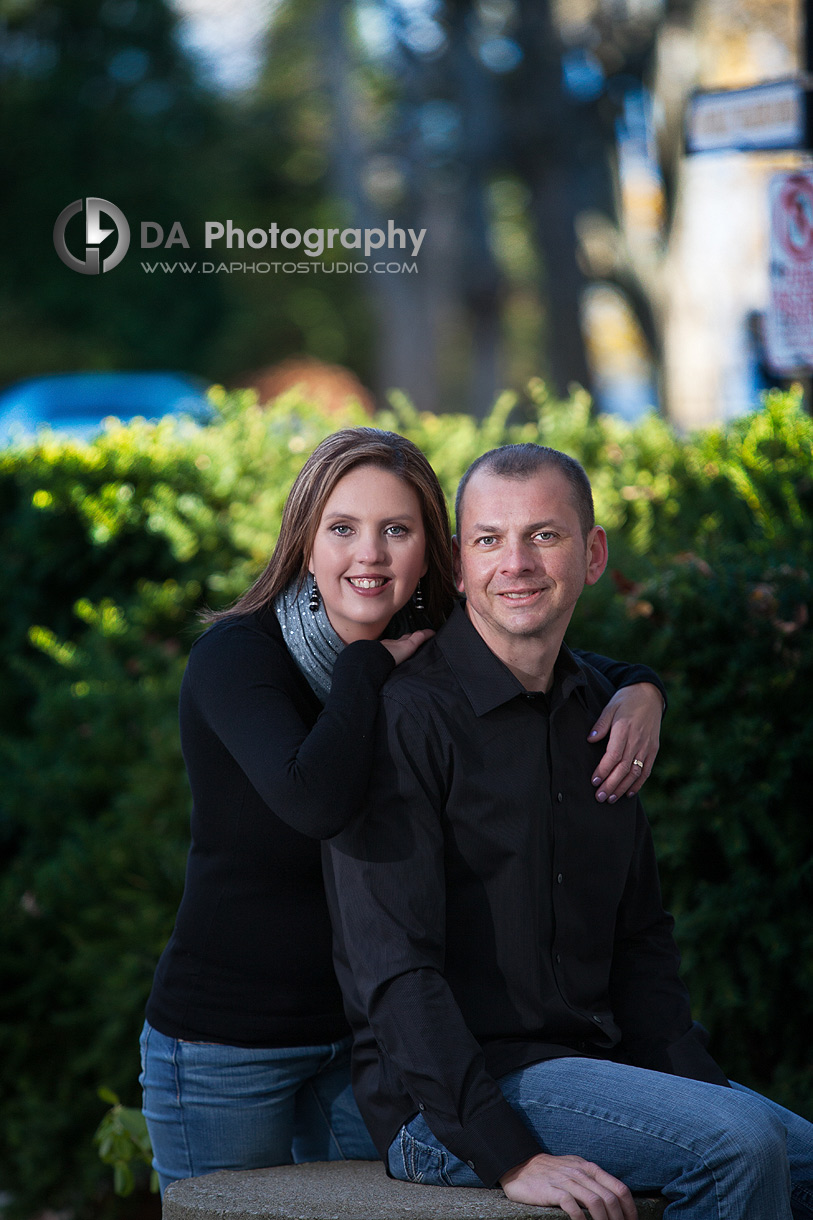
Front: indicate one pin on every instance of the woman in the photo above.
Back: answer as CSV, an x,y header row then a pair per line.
x,y
245,1052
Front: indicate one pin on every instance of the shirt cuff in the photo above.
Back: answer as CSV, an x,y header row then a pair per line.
x,y
642,673
376,661
493,1141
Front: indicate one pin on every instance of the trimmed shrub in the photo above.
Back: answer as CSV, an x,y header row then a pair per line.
x,y
729,800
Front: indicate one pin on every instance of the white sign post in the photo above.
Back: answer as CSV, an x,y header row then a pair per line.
x,y
789,320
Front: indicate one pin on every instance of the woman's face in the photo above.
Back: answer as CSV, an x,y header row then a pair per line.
x,y
369,551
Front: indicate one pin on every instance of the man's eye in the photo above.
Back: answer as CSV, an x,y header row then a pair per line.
x,y
545,535
488,540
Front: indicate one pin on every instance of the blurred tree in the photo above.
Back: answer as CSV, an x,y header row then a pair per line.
x,y
459,116
98,100
553,155
274,165
682,240
335,106
536,141
540,144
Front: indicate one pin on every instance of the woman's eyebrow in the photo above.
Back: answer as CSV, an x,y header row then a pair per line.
x,y
335,514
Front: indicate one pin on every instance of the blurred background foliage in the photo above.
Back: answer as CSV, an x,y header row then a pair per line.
x,y
111,548
538,142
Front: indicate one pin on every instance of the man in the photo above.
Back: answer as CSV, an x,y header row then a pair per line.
x,y
508,968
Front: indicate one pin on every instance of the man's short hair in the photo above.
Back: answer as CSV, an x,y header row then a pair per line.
x,y
524,461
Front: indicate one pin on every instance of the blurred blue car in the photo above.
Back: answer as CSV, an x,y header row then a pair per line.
x,y
76,404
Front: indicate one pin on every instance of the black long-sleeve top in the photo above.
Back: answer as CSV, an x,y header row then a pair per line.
x,y
489,912
271,772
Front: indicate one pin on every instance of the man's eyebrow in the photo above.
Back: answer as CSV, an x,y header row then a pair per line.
x,y
496,529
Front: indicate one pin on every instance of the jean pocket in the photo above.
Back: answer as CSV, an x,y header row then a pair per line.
x,y
143,1043
424,1162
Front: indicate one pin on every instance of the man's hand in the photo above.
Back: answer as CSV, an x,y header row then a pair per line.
x,y
406,645
633,720
570,1183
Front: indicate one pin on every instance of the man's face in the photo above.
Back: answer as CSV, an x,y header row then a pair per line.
x,y
521,557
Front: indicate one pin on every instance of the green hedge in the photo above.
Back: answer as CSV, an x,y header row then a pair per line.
x,y
111,548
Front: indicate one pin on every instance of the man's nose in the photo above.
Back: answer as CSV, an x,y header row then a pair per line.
x,y
518,556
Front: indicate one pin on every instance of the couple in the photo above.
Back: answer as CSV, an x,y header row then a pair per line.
x,y
507,967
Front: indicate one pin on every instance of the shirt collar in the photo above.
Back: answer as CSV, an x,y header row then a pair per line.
x,y
486,681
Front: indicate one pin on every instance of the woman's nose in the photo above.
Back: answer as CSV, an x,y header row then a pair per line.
x,y
370,547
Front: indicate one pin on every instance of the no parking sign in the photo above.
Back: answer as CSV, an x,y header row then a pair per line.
x,y
789,322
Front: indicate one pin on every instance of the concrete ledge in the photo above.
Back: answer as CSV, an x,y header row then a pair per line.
x,y
346,1190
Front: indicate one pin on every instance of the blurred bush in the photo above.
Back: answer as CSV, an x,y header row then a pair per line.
x,y
122,1139
110,550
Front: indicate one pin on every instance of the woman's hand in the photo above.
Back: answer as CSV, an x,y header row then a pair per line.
x,y
633,720
406,645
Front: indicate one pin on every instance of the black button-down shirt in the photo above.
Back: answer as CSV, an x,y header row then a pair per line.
x,y
492,913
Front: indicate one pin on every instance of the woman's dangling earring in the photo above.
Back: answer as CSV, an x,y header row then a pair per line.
x,y
417,598
315,601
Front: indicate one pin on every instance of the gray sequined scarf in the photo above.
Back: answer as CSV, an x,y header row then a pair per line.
x,y
309,637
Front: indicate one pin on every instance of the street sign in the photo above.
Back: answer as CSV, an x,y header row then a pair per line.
x,y
763,117
789,320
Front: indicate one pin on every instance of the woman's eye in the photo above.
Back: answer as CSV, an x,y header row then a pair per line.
x,y
395,531
341,530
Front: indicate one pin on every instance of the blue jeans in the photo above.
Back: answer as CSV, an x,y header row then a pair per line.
x,y
715,1153
211,1107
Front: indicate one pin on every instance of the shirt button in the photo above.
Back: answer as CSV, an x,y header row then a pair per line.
x,y
597,1020
558,957
559,797
560,878
470,1164
421,1106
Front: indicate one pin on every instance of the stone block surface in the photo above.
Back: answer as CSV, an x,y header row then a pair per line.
x,y
345,1190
